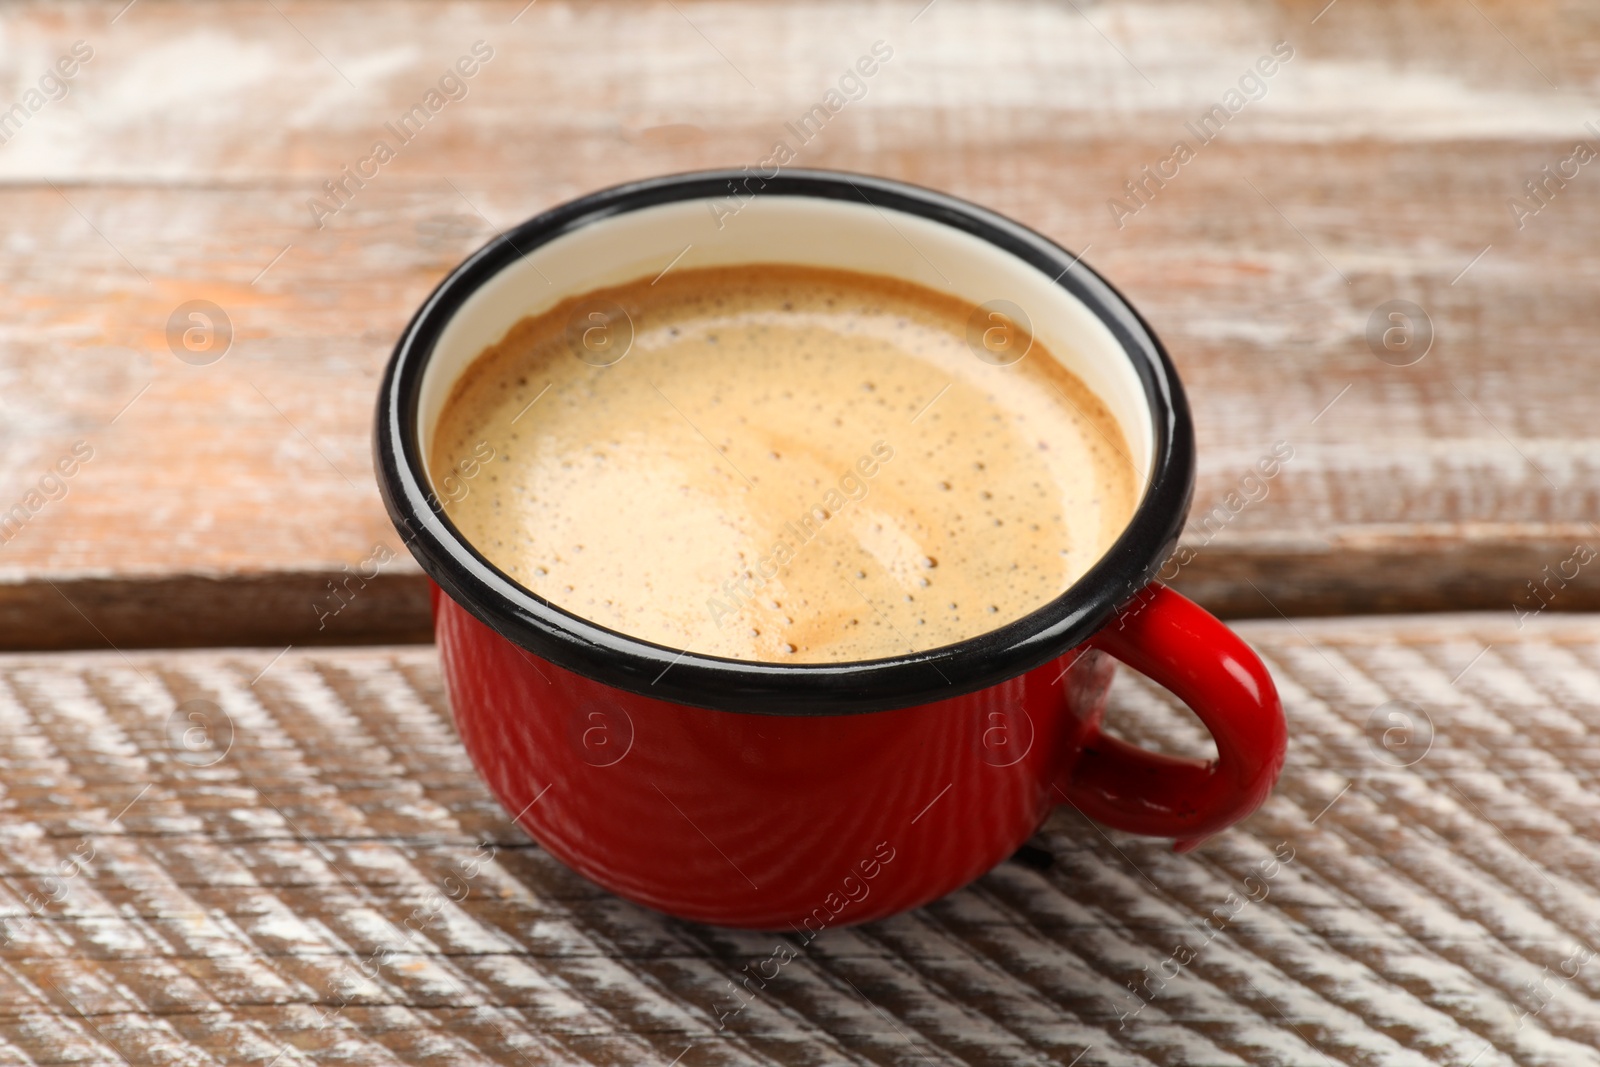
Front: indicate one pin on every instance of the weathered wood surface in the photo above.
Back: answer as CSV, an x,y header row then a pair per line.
x,y
242,895
1377,166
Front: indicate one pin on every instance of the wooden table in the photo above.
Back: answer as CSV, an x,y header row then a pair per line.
x,y
173,899
217,489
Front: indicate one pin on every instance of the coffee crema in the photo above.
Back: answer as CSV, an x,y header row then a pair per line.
x,y
788,464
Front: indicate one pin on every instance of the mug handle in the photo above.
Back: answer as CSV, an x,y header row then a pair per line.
x,y
1185,649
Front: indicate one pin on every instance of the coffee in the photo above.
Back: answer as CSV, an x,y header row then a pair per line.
x,y
779,463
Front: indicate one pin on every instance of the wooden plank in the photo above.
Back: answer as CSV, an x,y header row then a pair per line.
x,y
1435,892
1377,166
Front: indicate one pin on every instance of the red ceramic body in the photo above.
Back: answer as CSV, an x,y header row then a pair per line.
x,y
808,822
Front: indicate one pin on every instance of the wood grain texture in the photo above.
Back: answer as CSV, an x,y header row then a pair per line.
x,y
1377,166
317,876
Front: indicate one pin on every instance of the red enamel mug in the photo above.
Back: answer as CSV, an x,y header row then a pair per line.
x,y
807,796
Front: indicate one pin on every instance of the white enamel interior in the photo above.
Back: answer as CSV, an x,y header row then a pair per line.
x,y
789,229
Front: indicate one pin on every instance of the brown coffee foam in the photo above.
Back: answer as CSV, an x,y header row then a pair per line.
x,y
790,464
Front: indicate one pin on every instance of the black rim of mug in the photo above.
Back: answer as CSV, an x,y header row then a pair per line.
x,y
684,677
